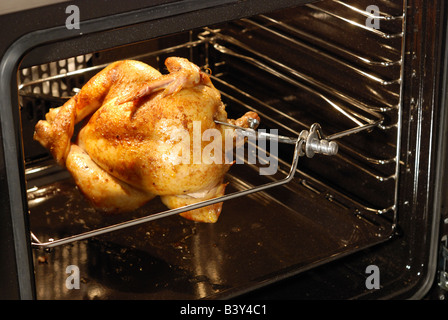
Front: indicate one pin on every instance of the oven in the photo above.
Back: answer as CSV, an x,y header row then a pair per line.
x,y
354,93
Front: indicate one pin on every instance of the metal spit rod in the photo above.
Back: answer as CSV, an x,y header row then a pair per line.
x,y
307,143
314,141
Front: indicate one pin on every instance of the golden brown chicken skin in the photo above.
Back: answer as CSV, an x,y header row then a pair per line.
x,y
140,138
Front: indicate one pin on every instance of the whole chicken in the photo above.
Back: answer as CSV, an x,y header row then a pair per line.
x,y
137,141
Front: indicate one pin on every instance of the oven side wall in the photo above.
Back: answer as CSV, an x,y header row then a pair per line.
x,y
408,262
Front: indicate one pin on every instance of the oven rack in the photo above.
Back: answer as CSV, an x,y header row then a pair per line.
x,y
382,71
336,53
361,122
330,57
360,58
228,91
331,137
352,61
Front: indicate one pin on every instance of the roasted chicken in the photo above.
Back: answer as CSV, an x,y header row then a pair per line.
x,y
138,137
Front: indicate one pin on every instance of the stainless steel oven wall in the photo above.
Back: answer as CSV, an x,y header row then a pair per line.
x,y
408,262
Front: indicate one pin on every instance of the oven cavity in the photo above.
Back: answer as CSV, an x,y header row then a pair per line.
x,y
322,77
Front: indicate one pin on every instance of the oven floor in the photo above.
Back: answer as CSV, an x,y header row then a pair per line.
x,y
258,239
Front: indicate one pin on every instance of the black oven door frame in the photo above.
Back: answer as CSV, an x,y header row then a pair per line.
x,y
54,41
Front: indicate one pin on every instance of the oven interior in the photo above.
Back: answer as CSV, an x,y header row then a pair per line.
x,y
314,64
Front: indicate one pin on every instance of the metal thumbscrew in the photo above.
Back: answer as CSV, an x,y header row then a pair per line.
x,y
329,148
314,144
253,123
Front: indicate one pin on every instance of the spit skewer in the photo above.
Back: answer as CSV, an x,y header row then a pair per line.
x,y
307,143
314,141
